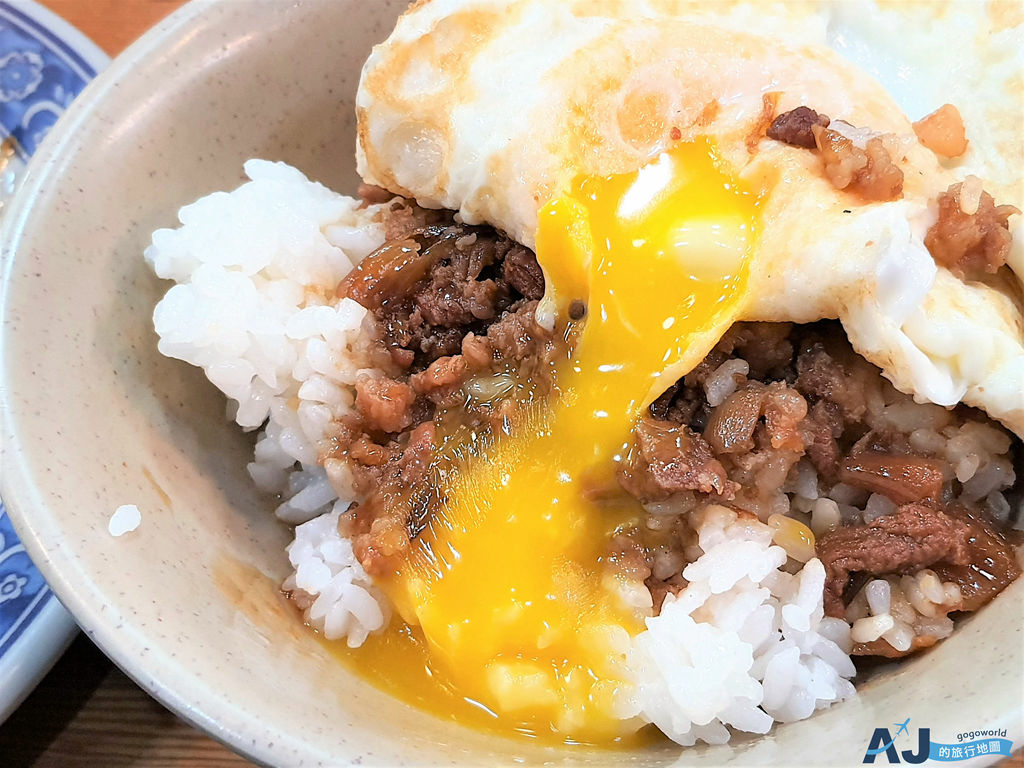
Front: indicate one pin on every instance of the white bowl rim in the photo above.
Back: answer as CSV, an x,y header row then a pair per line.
x,y
16,486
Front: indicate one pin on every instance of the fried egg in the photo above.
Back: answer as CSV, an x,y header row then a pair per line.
x,y
492,109
624,142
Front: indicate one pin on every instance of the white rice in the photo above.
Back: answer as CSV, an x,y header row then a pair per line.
x,y
256,271
724,380
744,645
902,609
336,595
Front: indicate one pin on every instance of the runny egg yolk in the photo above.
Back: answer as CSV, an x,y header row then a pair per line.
x,y
511,582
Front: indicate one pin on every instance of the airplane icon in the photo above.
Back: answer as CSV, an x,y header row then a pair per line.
x,y
903,727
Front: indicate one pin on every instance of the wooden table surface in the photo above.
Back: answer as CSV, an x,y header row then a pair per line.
x,y
86,712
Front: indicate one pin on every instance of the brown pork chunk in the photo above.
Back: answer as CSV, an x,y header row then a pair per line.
x,y
435,282
821,428
402,498
794,127
833,373
678,404
915,536
731,427
405,218
991,561
668,459
521,270
457,293
441,378
784,412
765,346
384,404
871,173
972,234
901,478
516,336
392,271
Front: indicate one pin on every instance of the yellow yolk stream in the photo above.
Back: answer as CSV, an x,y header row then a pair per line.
x,y
510,582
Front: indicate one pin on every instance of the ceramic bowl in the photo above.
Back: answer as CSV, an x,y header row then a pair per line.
x,y
94,418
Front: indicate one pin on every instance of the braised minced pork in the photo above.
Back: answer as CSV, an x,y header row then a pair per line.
x,y
771,403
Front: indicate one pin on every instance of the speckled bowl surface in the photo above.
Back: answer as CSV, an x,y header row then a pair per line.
x,y
94,418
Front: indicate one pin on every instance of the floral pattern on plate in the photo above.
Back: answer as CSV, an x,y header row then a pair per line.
x,y
39,76
44,64
22,589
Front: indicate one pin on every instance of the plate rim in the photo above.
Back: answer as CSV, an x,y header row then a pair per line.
x,y
33,654
51,628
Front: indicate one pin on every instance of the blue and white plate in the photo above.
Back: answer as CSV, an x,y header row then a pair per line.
x,y
44,64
